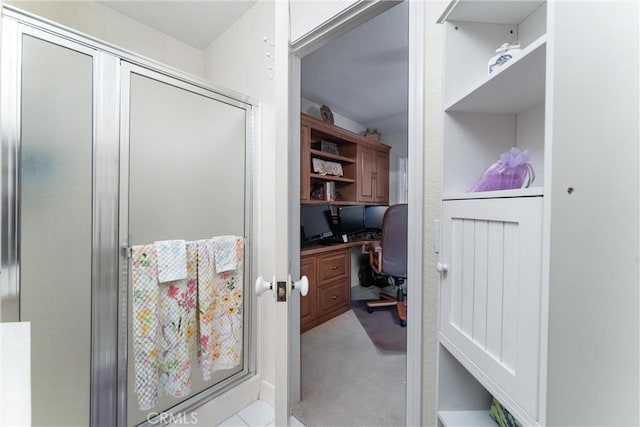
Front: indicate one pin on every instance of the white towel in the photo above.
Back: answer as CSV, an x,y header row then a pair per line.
x,y
224,252
172,260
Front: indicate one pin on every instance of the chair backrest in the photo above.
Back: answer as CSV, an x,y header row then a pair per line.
x,y
394,241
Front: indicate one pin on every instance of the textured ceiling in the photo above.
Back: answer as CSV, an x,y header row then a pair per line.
x,y
196,23
363,74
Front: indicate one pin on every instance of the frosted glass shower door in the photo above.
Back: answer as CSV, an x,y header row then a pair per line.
x,y
47,217
187,179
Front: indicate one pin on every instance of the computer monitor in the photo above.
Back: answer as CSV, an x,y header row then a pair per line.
x,y
351,219
373,216
314,220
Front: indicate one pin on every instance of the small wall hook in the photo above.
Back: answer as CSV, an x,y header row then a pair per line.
x,y
266,40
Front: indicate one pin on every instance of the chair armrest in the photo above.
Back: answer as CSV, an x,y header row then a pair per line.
x,y
375,255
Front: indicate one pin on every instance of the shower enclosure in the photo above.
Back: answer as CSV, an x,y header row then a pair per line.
x,y
102,151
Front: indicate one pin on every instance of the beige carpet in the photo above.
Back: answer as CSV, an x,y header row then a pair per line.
x,y
346,381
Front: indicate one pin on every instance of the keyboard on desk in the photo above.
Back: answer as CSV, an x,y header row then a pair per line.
x,y
367,236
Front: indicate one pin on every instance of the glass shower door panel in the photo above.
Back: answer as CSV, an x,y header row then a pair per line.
x,y
186,181
55,224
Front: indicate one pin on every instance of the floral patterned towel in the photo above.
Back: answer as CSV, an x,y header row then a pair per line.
x,y
177,322
172,260
207,298
220,308
144,305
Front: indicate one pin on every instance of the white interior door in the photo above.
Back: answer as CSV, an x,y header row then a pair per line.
x,y
285,182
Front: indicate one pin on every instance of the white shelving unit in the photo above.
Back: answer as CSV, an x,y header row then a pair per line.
x,y
488,114
492,241
539,293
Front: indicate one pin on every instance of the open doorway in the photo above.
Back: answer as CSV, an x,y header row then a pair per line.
x,y
353,363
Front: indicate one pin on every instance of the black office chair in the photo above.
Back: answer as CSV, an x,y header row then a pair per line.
x,y
390,259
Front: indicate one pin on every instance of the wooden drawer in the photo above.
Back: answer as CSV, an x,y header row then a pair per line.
x,y
332,297
308,303
333,266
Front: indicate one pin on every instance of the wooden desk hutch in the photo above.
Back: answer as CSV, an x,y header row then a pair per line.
x,y
365,181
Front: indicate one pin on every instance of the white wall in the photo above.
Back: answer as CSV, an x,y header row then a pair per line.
x,y
313,109
237,60
1,2
115,28
307,15
432,201
399,147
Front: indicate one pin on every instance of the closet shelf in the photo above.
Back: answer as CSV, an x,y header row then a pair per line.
x,y
466,419
515,87
520,192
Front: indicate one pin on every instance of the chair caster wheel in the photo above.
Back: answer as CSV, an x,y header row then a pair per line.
x,y
370,309
403,323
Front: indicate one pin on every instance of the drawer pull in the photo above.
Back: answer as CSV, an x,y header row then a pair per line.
x,y
334,297
335,267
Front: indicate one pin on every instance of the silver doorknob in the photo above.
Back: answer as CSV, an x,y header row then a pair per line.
x,y
262,285
302,285
442,268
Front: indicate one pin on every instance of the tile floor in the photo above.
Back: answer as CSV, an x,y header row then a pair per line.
x,y
257,414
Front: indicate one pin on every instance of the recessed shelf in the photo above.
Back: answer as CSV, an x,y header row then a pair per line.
x,y
480,418
329,156
520,192
515,87
330,178
490,12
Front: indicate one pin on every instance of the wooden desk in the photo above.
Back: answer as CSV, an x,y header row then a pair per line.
x,y
328,268
318,249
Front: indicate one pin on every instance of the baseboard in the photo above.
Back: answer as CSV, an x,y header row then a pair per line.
x,y
227,404
268,393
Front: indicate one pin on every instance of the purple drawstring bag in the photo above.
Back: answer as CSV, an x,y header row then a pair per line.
x,y
511,171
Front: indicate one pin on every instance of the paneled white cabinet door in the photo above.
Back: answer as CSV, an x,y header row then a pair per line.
x,y
490,294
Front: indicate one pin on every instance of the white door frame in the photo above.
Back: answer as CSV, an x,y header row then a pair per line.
x,y
329,30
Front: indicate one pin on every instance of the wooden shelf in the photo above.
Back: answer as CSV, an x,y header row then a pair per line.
x,y
479,418
520,192
515,87
365,165
329,156
501,12
331,178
